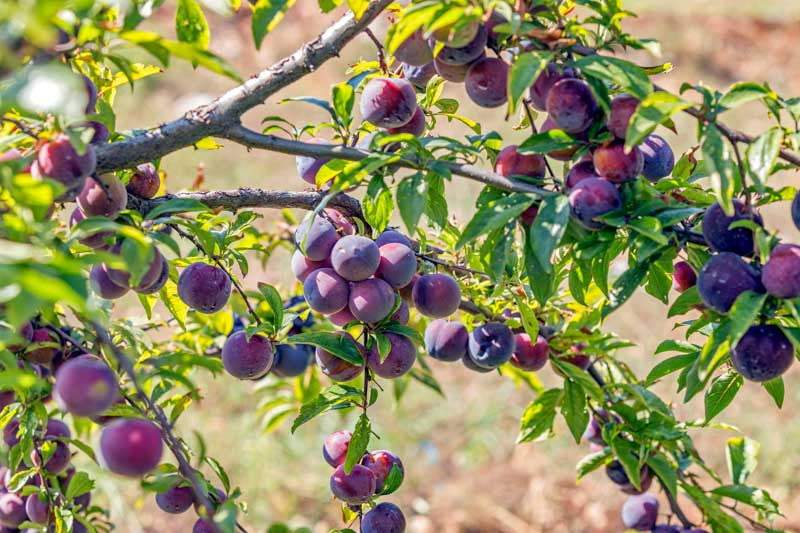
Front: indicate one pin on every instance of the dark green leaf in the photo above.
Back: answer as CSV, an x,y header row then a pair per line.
x,y
625,74
359,443
325,400
775,389
669,366
411,199
548,228
176,205
494,214
721,393
547,141
524,71
190,24
537,420
266,15
573,408
743,92
762,155
338,344
720,167
742,456
651,112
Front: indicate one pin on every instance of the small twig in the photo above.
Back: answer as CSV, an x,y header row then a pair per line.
x,y
22,127
450,266
379,46
740,514
676,508
219,264
742,173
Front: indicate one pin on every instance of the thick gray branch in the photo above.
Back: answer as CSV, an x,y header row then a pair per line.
x,y
252,139
215,117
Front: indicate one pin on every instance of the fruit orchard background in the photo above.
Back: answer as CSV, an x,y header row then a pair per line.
x,y
466,474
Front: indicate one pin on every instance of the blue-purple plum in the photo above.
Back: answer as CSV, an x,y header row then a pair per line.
x,y
640,512
247,359
529,355
302,266
580,171
12,510
388,102
763,353
356,487
96,240
130,447
462,55
175,500
592,198
397,264
795,210
85,386
340,318
384,518
571,105
355,258
371,300
612,163
723,278
419,75
722,238
57,159
104,286
616,473
659,159
544,82
781,273
436,295
453,73
397,362
403,313
315,237
415,126
486,82
415,50
381,463
510,162
292,359
307,166
203,287
158,283
491,345
391,235
336,368
334,448
37,508
151,275
407,290
204,526
446,340
326,291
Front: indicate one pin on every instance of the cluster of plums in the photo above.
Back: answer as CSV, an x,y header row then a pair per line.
x,y
640,510
764,352
180,497
367,480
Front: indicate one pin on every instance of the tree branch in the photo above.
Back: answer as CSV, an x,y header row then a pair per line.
x,y
211,119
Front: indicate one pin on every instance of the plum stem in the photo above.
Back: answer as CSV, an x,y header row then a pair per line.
x,y
379,46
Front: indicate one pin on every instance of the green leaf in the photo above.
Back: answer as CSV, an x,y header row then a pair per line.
x,y
275,302
537,420
626,453
650,227
190,24
758,498
524,71
392,481
720,167
331,397
329,5
542,283
592,462
685,302
343,98
741,454
625,286
547,141
774,388
337,344
79,483
721,393
494,214
743,92
411,199
176,205
358,7
359,443
668,366
266,15
548,228
378,204
665,471
628,76
651,112
716,517
573,408
762,155
402,330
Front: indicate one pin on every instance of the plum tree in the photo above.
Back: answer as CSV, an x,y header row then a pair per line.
x,y
510,162
334,449
388,102
145,181
683,276
490,345
436,295
592,198
529,355
614,164
381,463
397,362
551,75
356,487
59,160
723,278
763,353
315,237
781,273
415,50
385,517
622,108
355,258
175,500
397,264
245,358
203,287
130,447
571,105
640,512
721,237
371,300
658,158
486,82
446,340
85,386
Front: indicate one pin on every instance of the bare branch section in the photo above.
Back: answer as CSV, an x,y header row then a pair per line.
x,y
211,119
